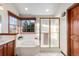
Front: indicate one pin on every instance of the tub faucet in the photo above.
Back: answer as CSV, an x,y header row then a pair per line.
x,y
20,37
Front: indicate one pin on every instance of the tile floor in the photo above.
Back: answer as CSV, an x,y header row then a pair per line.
x,y
50,54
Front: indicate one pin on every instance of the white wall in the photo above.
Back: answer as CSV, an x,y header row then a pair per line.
x,y
1,18
5,16
30,37
63,34
63,30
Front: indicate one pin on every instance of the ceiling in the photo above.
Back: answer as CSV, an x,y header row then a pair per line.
x,y
39,8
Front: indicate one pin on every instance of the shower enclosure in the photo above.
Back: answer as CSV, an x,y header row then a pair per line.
x,y
49,32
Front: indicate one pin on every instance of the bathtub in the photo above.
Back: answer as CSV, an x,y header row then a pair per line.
x,y
26,49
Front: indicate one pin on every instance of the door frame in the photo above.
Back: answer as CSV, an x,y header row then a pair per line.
x,y
69,28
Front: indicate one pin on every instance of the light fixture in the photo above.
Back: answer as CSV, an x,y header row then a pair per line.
x,y
1,8
26,9
47,10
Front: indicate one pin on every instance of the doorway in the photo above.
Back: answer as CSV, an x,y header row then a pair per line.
x,y
49,32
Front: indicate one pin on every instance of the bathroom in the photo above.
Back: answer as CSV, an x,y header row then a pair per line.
x,y
36,34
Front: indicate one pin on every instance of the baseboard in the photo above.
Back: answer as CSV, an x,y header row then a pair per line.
x,y
63,53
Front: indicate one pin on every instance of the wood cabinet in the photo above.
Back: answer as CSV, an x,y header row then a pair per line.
x,y
10,48
1,50
7,49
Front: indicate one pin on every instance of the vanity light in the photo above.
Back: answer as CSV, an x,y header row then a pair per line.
x,y
26,9
1,8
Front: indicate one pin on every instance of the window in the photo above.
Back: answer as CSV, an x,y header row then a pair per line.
x,y
13,24
0,23
28,25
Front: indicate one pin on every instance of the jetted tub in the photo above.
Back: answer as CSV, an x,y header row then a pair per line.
x,y
26,49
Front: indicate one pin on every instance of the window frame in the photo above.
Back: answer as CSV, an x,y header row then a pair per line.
x,y
27,18
10,14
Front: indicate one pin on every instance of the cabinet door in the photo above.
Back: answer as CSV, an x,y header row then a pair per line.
x,y
5,50
10,48
1,50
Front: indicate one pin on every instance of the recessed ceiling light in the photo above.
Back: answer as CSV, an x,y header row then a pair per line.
x,y
26,9
47,10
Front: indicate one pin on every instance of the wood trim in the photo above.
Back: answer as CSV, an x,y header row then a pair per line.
x,y
69,29
27,18
8,22
72,6
11,14
8,33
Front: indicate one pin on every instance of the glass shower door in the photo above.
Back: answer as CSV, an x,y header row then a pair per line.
x,y
44,32
54,32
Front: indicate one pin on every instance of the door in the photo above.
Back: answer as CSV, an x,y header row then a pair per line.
x,y
10,48
73,31
54,29
44,32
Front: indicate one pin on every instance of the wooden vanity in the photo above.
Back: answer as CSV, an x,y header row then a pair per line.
x,y
7,44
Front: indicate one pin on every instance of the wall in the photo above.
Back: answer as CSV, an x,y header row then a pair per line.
x,y
1,18
5,16
30,37
63,34
63,30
